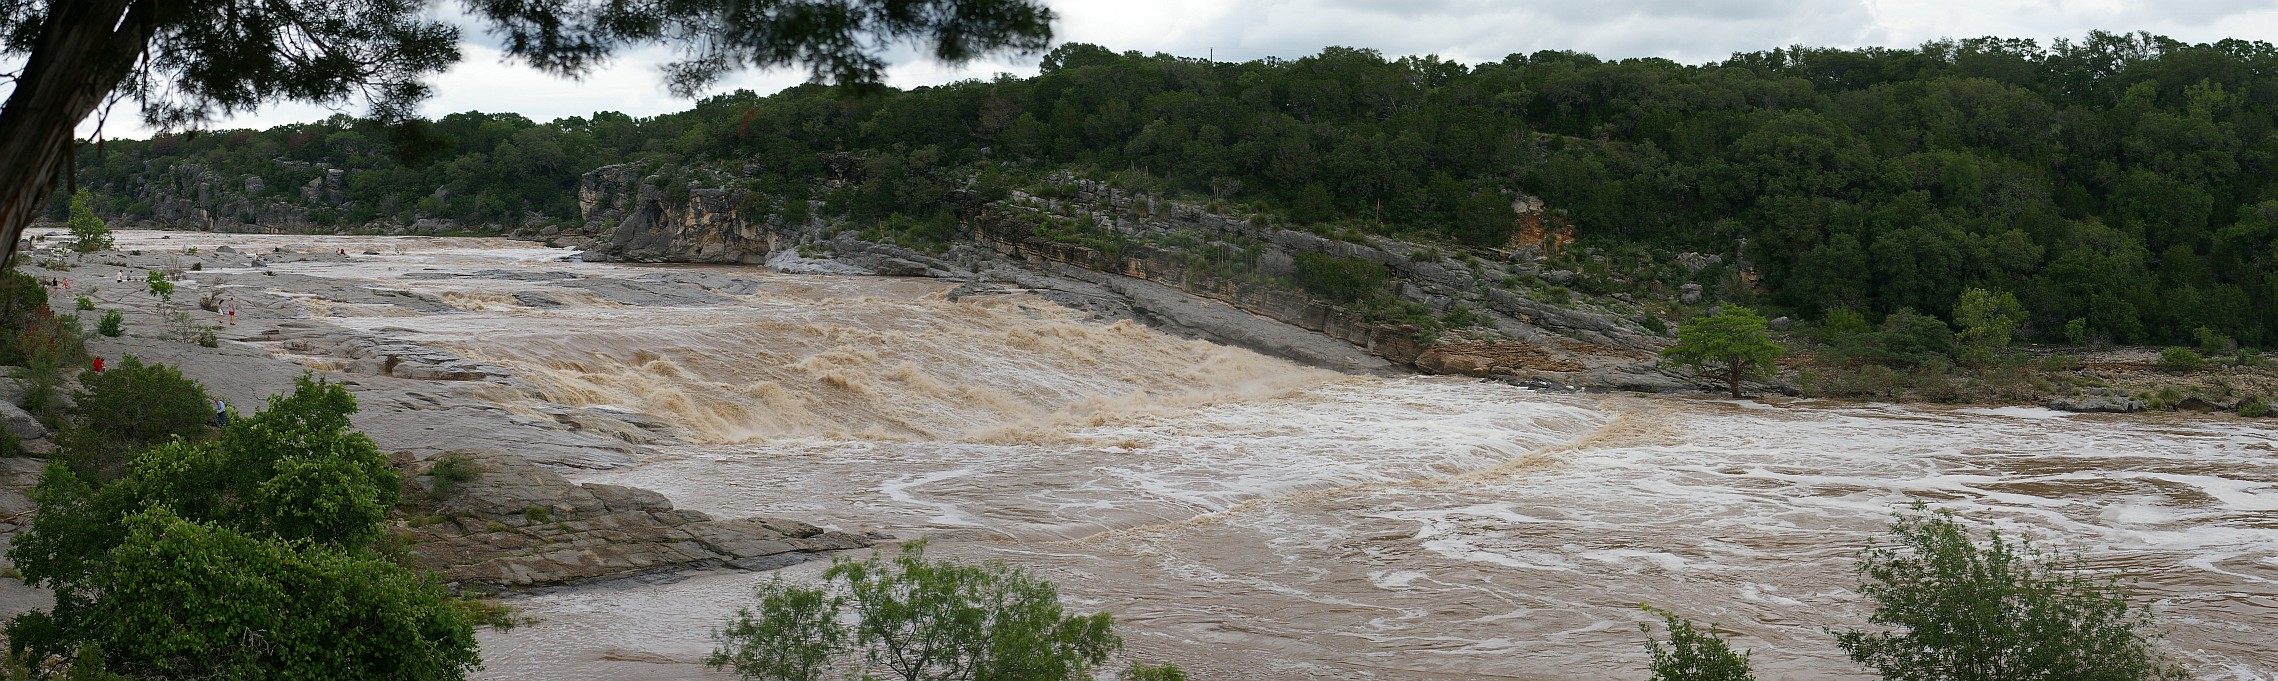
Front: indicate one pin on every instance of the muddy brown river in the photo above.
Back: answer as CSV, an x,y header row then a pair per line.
x,y
1248,518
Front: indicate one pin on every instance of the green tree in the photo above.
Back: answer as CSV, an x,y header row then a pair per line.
x,y
247,556
917,620
160,287
2181,360
1733,343
1692,655
1951,610
88,233
1987,319
187,60
112,324
127,408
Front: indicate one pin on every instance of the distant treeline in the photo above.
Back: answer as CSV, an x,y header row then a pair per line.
x,y
2123,180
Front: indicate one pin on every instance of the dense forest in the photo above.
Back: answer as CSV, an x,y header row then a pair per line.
x,y
2120,184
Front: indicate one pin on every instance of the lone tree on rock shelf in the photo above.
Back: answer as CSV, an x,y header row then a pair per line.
x,y
1733,343
187,62
88,233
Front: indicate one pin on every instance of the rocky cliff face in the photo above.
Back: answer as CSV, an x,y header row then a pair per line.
x,y
1178,245
643,223
192,196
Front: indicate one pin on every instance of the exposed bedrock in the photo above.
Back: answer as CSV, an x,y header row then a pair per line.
x,y
514,523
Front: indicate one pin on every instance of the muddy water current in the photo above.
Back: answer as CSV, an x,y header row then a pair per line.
x,y
1248,518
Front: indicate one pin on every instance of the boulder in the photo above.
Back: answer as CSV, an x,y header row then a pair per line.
x,y
1689,294
21,423
1695,262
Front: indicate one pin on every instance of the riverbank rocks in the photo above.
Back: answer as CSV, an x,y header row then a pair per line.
x,y
21,423
2098,400
515,524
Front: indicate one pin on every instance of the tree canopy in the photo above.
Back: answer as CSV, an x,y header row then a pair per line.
x,y
1949,609
186,62
1733,344
247,556
2115,184
918,620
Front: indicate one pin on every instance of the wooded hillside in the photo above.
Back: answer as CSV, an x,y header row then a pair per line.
x,y
2121,180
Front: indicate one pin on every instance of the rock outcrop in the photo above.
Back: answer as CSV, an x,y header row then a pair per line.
x,y
645,223
515,524
1180,247
2098,400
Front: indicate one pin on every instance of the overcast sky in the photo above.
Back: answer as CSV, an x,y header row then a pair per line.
x,y
1469,31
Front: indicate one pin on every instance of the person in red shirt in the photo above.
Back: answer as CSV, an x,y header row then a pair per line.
x,y
98,365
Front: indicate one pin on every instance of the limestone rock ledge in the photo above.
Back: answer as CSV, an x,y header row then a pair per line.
x,y
516,524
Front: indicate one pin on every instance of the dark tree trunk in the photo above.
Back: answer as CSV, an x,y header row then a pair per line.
x,y
1732,376
85,48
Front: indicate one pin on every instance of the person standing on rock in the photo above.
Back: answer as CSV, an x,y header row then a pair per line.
x,y
221,414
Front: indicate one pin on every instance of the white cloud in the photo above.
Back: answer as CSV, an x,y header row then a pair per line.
x,y
1471,31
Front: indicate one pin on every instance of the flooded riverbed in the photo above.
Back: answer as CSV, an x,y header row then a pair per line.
x,y
1248,518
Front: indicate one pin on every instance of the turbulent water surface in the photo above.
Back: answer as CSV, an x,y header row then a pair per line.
x,y
1251,519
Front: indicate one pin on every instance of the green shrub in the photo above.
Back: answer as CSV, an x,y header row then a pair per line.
x,y
22,297
1458,317
2076,331
128,407
1948,608
1653,323
206,338
915,618
2181,360
538,514
86,303
112,324
1842,322
1987,318
1692,655
2254,408
450,471
1345,280
1910,339
248,556
2212,344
